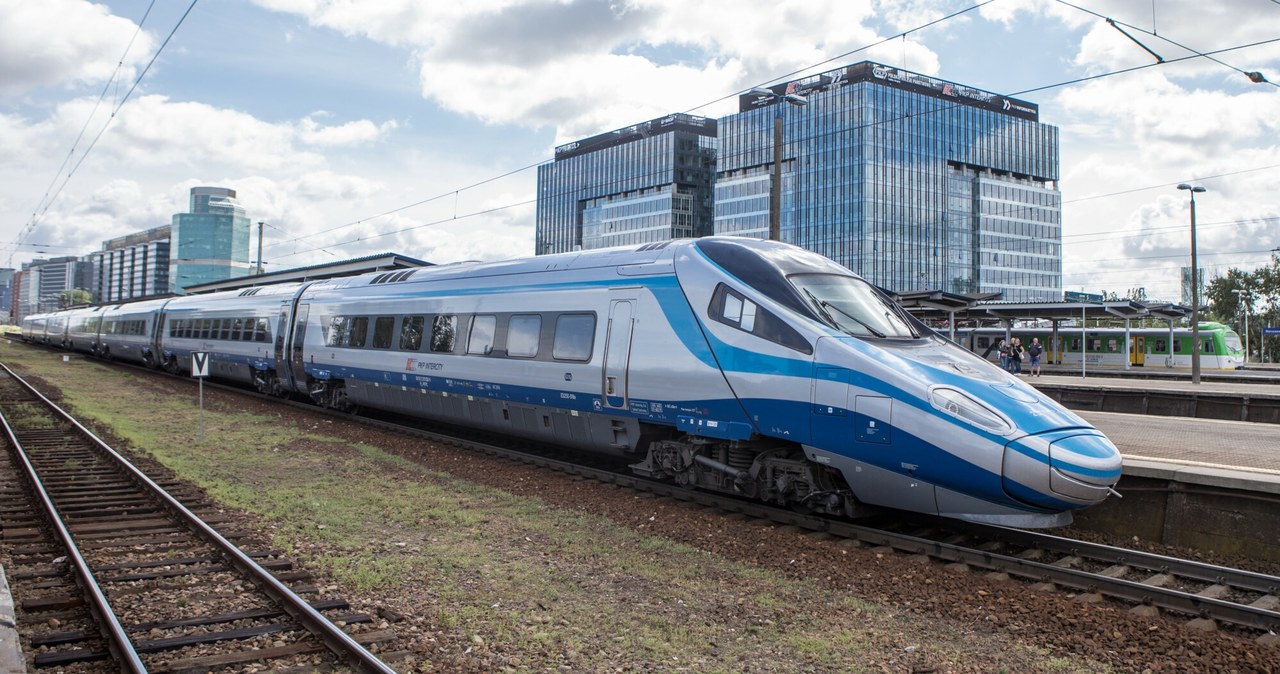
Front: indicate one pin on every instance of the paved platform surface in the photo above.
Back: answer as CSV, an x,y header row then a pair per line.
x,y
1269,390
1237,454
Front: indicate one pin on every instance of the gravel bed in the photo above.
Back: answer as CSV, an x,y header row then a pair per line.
x,y
1002,621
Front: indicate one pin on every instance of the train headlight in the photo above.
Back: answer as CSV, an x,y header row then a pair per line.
x,y
959,405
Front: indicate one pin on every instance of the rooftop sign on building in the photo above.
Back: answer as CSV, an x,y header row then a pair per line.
x,y
677,122
897,78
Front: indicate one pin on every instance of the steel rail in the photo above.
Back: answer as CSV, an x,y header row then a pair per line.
x,y
113,633
1167,598
315,622
1239,614
1185,568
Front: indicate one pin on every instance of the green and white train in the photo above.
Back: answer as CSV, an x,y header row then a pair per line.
x,y
1105,347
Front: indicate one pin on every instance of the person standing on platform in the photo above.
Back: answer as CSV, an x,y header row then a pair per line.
x,y
1033,352
1015,356
1004,356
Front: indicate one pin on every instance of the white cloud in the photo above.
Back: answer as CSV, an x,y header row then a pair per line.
x,y
355,132
59,42
588,67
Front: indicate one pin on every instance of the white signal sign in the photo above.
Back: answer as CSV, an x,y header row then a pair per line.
x,y
199,364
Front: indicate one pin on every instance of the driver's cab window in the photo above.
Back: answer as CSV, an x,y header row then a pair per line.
x,y
731,308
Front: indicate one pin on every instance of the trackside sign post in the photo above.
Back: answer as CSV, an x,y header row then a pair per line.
x,y
200,370
1268,331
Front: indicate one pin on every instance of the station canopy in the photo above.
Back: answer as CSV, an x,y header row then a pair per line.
x,y
980,309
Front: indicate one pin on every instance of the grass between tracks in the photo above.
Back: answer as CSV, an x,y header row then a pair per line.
x,y
495,580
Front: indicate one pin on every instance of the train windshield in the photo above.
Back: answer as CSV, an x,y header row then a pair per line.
x,y
853,306
1233,342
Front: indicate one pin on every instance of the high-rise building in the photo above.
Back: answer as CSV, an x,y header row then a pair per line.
x,y
133,266
209,243
1184,281
910,181
46,284
6,292
648,182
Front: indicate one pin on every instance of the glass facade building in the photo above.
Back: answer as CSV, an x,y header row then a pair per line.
x,y
645,183
134,266
211,242
912,182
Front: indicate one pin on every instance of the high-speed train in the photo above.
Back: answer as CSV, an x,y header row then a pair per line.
x,y
727,364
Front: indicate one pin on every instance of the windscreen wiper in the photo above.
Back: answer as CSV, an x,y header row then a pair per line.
x,y
826,307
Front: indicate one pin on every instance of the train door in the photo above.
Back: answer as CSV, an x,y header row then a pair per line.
x,y
617,353
296,342
282,359
1138,351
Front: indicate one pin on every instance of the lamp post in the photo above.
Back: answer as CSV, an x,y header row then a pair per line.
x,y
1243,296
260,224
1195,288
775,189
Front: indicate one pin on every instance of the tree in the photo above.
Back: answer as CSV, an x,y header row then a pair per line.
x,y
1258,296
74,298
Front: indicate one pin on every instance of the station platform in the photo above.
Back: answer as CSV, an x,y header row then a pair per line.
x,y
1205,484
1210,399
1235,453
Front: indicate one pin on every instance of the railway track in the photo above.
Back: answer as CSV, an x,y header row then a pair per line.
x,y
112,573
1206,594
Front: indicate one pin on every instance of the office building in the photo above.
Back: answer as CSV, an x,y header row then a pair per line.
x,y
6,292
46,285
134,266
210,242
910,181
645,183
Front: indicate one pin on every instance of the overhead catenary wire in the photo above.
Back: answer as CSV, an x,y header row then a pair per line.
x,y
896,119
49,201
1253,76
512,172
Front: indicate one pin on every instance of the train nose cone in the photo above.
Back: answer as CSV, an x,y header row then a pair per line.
x,y
1083,467
1061,470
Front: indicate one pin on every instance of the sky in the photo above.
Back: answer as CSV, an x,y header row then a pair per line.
x,y
358,127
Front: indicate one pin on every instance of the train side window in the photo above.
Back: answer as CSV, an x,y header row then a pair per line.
x,y
411,333
444,330
1075,343
357,332
333,334
984,342
237,329
523,331
731,308
383,329
575,337
480,341
1177,345
224,329
205,326
1206,343
1160,347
